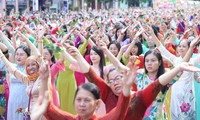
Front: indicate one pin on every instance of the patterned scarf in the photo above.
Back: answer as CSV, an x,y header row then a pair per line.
x,y
35,75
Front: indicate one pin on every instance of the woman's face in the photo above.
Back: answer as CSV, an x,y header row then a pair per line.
x,y
119,32
113,49
115,82
95,58
182,48
85,103
164,26
47,56
134,50
20,56
32,67
150,42
151,63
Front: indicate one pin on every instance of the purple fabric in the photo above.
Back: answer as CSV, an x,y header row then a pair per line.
x,y
76,42
181,25
125,42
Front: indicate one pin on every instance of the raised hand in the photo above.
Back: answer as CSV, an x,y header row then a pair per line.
x,y
131,74
195,41
188,67
40,107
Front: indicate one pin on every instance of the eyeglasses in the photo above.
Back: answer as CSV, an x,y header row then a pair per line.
x,y
116,79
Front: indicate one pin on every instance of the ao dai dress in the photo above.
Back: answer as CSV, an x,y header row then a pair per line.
x,y
18,97
155,110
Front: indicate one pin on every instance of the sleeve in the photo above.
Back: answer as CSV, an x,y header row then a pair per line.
x,y
196,60
55,68
83,47
54,113
77,40
166,53
11,49
150,92
103,87
119,112
125,60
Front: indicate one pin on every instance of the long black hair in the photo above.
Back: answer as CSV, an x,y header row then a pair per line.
x,y
102,59
51,52
161,69
116,36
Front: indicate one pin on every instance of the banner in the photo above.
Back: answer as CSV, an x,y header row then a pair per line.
x,y
35,5
2,5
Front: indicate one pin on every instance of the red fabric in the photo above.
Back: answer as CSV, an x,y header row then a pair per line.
x,y
54,30
178,30
171,48
141,65
161,32
118,113
140,100
134,87
198,32
195,50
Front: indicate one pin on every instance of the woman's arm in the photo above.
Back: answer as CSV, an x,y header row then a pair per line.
x,y
110,56
43,106
40,41
13,70
90,74
127,53
7,43
189,53
119,112
152,90
34,50
122,49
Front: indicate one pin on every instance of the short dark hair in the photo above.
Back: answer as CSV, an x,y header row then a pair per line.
x,y
92,88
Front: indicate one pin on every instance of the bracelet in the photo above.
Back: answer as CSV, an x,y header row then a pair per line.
x,y
179,74
6,52
31,39
13,72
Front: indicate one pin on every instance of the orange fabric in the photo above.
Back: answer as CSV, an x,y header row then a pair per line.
x,y
36,75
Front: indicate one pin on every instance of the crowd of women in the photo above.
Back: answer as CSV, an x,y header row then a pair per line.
x,y
106,64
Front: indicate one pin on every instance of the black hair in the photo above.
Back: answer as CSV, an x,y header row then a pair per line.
x,y
9,24
51,52
125,34
188,42
109,38
115,43
156,30
26,49
139,46
161,69
92,88
8,33
102,59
